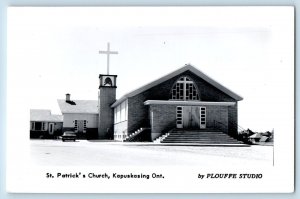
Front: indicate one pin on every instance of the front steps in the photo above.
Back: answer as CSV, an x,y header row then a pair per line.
x,y
205,136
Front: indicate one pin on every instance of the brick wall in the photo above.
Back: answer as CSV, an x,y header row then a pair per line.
x,y
208,92
217,118
162,119
107,96
233,120
138,113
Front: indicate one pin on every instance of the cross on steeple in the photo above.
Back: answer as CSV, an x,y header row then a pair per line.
x,y
108,52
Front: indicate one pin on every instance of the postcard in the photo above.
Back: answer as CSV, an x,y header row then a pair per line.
x,y
150,99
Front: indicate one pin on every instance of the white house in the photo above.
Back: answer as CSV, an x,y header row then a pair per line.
x,y
80,116
43,123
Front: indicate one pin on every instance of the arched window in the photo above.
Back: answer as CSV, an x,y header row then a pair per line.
x,y
185,89
107,82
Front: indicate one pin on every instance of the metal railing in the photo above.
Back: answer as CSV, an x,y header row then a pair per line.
x,y
239,128
132,136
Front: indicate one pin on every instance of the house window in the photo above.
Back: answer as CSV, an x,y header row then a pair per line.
x,y
76,125
122,118
118,113
115,115
38,126
126,110
84,125
185,89
44,126
32,125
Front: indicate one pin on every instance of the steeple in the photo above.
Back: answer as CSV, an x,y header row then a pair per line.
x,y
107,96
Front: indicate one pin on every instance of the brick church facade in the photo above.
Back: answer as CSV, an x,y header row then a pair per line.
x,y
183,99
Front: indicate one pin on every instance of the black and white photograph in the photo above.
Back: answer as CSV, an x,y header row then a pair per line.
x,y
150,99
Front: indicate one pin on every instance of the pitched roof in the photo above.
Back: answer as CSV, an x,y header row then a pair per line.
x,y
80,106
44,115
256,135
173,74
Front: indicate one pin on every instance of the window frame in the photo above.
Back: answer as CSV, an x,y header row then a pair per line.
x,y
185,89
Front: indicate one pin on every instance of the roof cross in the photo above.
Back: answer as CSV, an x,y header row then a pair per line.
x,y
108,52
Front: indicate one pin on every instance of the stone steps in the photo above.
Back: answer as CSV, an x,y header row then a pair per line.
x,y
199,136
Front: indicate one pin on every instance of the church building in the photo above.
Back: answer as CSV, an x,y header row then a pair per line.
x,y
185,99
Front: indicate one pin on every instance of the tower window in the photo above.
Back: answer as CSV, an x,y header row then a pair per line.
x,y
184,89
107,82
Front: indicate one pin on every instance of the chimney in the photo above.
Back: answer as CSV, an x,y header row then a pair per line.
x,y
68,96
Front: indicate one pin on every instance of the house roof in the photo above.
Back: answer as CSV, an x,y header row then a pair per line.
x,y
44,115
256,135
80,106
263,138
175,73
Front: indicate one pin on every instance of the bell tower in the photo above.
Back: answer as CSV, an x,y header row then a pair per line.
x,y
106,97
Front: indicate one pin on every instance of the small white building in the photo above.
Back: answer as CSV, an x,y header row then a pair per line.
x,y
44,124
80,116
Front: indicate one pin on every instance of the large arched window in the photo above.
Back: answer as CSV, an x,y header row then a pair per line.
x,y
185,89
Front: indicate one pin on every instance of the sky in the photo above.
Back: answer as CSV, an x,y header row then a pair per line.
x,y
250,50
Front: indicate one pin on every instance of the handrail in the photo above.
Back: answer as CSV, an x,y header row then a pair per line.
x,y
234,123
240,129
163,136
135,133
218,123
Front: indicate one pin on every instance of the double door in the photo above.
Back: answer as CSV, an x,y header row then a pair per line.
x,y
191,117
80,126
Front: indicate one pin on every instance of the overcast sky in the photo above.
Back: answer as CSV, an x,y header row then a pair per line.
x,y
54,51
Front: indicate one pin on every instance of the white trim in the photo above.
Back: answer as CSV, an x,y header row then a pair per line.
x,y
189,103
202,108
60,121
79,113
152,119
173,74
179,111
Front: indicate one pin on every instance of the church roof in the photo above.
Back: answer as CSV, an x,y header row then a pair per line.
x,y
78,106
44,115
175,73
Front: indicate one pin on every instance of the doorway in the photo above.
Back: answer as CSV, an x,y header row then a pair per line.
x,y
191,117
51,128
80,126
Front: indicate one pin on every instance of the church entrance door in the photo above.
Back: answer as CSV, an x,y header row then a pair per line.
x,y
191,117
